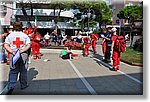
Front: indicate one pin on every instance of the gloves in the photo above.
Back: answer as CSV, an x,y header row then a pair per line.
x,y
110,53
102,36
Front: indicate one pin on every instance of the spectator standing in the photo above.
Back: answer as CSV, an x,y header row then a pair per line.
x,y
79,37
55,37
64,38
14,42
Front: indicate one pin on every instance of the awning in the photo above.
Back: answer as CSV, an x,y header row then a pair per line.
x,y
67,14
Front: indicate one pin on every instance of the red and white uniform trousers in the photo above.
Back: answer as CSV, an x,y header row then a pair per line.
x,y
94,39
87,44
115,56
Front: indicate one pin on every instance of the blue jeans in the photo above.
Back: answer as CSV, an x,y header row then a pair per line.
x,y
20,67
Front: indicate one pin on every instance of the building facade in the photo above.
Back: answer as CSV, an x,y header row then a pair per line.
x,y
117,5
45,16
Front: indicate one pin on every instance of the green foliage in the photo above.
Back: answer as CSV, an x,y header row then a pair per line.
x,y
102,11
92,23
138,45
131,12
95,31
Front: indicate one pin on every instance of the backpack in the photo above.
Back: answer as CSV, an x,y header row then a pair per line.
x,y
120,44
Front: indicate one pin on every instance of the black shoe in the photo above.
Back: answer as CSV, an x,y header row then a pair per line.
x,y
108,61
95,52
10,92
104,61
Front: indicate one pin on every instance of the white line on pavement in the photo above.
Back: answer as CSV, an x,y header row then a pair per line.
x,y
136,80
88,86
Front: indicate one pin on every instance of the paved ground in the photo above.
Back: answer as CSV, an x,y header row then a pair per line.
x,y
88,75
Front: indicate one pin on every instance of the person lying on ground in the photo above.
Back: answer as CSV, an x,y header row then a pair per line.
x,y
67,54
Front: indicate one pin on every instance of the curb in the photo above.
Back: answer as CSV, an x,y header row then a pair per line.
x,y
133,64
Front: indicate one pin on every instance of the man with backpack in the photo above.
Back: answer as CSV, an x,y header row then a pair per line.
x,y
118,46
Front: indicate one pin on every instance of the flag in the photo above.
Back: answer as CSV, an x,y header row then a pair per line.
x,y
16,57
35,23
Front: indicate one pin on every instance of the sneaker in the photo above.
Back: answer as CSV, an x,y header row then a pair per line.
x,y
39,57
85,55
108,61
104,60
34,57
115,68
22,88
29,62
118,67
8,63
95,52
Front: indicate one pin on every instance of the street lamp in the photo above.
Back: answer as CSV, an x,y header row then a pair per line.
x,y
90,15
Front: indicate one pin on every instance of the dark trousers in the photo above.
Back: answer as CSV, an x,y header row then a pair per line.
x,y
107,53
20,68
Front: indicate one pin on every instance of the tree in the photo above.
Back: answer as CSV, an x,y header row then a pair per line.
x,y
131,13
102,11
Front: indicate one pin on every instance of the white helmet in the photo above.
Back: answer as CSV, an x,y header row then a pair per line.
x,y
10,27
114,29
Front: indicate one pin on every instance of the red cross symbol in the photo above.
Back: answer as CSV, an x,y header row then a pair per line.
x,y
18,42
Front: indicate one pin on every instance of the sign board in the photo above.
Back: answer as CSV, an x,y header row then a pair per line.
x,y
117,21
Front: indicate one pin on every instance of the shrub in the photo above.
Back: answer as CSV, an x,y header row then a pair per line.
x,y
138,45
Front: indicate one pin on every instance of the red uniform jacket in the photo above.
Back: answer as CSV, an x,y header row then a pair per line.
x,y
94,36
36,37
86,40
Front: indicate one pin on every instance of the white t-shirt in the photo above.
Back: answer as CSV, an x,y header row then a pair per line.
x,y
79,36
47,36
17,40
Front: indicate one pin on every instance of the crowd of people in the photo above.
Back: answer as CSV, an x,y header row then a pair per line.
x,y
55,38
27,41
